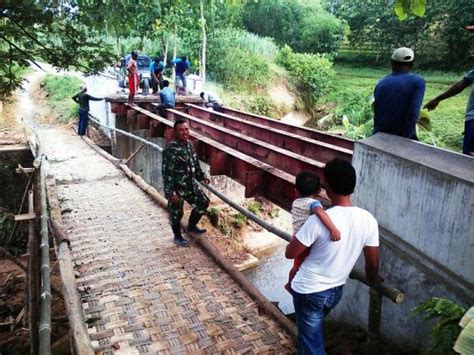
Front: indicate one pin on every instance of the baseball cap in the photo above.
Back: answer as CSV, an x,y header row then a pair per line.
x,y
403,55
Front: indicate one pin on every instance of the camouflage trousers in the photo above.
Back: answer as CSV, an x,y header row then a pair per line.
x,y
197,199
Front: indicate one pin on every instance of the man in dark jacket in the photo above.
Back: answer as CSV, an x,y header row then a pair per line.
x,y
83,98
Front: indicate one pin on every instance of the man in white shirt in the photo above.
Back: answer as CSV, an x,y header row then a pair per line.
x,y
317,286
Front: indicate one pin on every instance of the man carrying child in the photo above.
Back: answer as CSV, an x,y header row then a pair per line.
x,y
317,285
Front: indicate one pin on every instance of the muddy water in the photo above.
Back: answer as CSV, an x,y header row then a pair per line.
x,y
270,277
272,272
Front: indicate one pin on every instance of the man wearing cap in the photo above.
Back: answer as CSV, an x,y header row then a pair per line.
x,y
83,98
398,97
456,88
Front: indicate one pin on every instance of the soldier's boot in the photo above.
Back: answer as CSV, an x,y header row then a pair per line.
x,y
178,238
193,221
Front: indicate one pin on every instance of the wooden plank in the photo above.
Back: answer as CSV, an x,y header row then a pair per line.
x,y
25,216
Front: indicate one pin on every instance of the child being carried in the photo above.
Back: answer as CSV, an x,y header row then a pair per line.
x,y
308,186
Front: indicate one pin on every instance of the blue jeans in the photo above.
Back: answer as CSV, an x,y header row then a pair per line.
x,y
310,310
83,121
180,78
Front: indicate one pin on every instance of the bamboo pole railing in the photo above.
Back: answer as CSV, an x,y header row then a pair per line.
x,y
44,327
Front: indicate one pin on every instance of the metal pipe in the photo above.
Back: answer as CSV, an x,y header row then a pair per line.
x,y
125,133
269,227
45,306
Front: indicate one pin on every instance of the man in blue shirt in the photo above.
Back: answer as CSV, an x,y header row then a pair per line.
x,y
167,98
181,66
398,97
156,73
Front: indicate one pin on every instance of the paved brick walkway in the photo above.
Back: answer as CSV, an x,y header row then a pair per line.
x,y
143,294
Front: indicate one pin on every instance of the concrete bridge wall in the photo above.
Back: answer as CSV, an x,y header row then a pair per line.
x,y
423,199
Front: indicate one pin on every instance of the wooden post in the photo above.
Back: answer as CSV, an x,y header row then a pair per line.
x,y
375,316
32,279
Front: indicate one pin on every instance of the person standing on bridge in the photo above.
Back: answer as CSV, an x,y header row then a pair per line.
x,y
181,66
83,98
181,172
398,97
133,77
317,286
156,74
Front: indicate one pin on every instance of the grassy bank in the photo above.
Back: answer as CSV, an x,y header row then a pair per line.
x,y
353,86
59,90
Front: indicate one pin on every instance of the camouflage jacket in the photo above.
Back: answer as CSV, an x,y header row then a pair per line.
x,y
180,168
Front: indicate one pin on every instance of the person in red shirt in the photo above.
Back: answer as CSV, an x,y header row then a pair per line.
x,y
133,77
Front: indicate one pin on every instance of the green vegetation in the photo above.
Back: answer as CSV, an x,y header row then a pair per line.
x,y
439,37
446,330
255,207
303,25
310,73
240,60
60,89
238,220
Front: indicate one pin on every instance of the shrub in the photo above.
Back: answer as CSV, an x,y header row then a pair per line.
x,y
321,32
311,74
445,332
260,105
303,25
60,89
239,60
356,106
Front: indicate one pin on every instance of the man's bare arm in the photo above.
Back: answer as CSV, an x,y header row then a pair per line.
x,y
294,248
455,89
372,260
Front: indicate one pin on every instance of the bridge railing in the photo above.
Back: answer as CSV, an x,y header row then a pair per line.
x,y
44,327
376,291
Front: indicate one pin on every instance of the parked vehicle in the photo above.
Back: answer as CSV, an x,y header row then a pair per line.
x,y
143,64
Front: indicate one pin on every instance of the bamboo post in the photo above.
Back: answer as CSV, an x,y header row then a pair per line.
x,y
375,316
45,307
32,277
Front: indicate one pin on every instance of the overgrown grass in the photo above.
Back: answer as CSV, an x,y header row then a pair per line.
x,y
353,86
60,89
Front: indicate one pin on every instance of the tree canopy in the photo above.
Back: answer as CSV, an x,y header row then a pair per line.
x,y
45,30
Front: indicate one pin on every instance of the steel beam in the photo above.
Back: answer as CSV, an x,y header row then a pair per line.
x,y
285,160
299,130
307,147
259,178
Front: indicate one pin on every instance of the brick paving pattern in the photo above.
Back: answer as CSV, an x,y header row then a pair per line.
x,y
140,293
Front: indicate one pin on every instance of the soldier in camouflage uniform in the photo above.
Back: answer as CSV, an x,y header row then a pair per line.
x,y
181,171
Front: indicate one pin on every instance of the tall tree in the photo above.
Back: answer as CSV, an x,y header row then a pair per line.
x,y
47,30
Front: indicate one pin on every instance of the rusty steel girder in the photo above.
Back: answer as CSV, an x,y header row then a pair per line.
x,y
307,147
258,178
299,130
285,160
